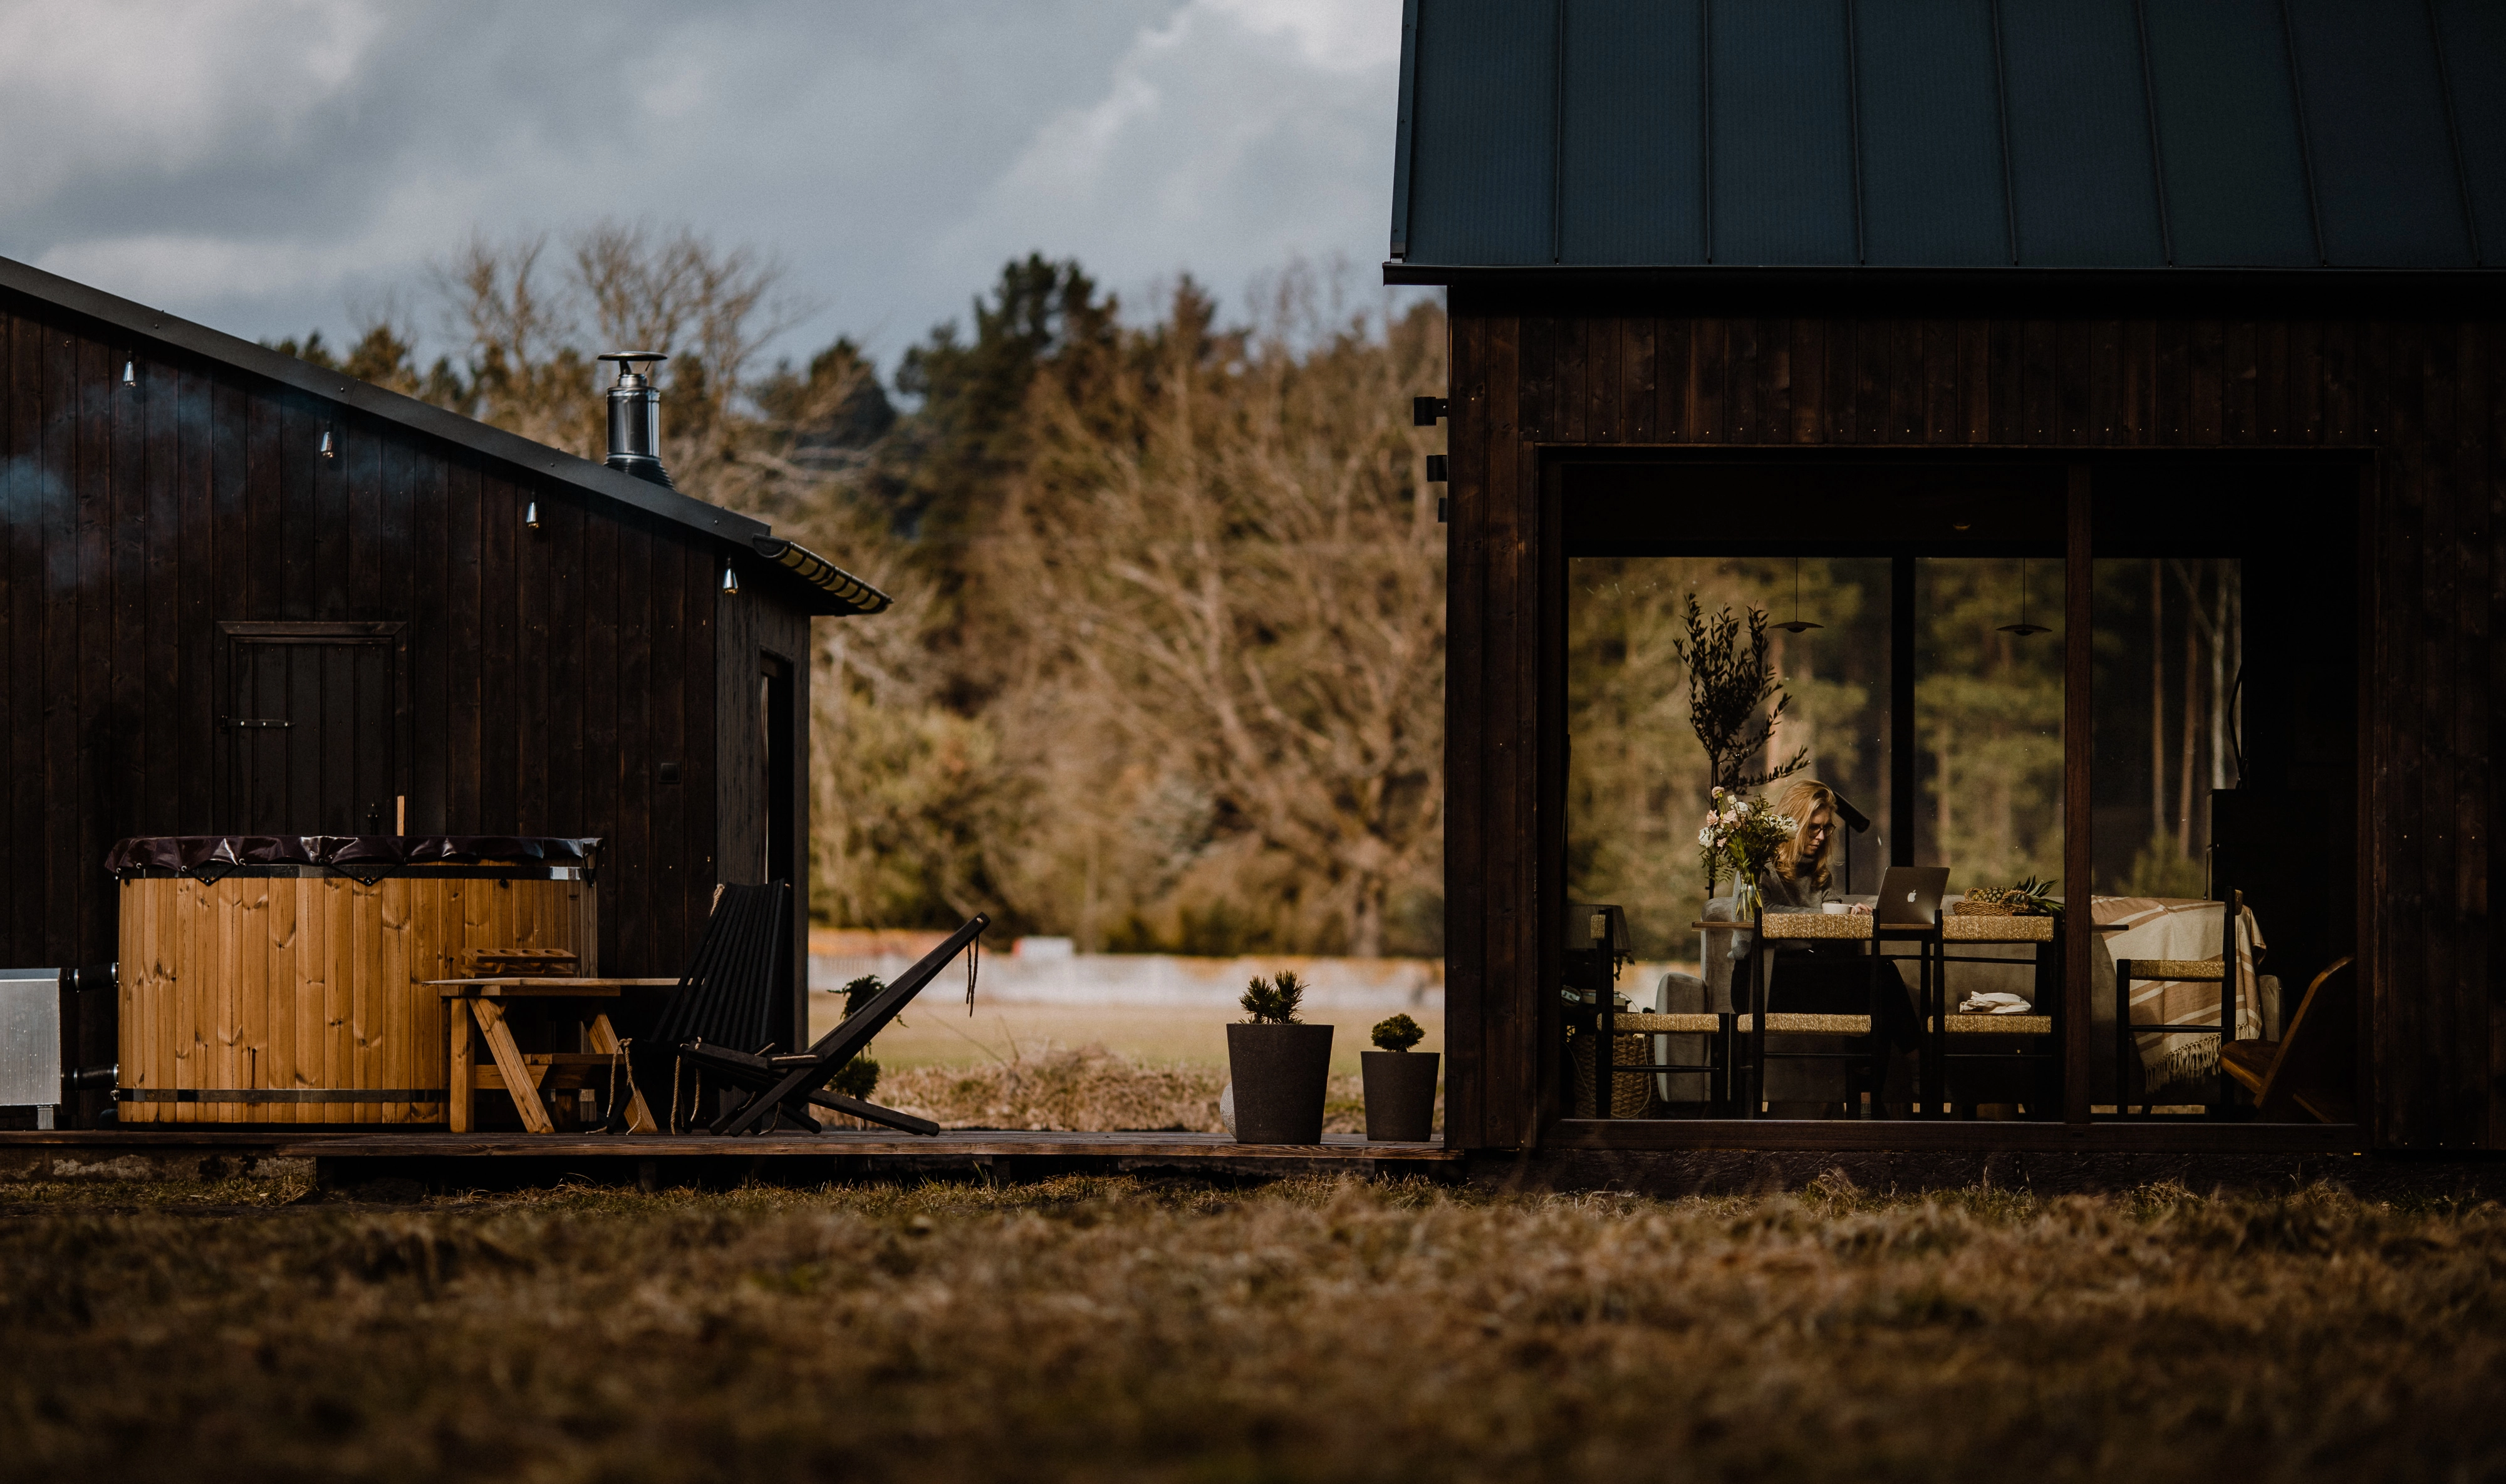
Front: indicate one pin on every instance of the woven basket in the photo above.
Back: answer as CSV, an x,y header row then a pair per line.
x,y
1788,926
1984,909
1629,1095
1991,928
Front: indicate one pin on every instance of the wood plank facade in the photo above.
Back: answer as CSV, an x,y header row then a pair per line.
x,y
583,675
2409,397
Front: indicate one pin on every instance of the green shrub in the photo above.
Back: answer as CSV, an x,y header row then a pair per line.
x,y
858,1078
1398,1033
1273,1001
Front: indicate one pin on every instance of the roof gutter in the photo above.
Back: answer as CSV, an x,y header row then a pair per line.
x,y
847,595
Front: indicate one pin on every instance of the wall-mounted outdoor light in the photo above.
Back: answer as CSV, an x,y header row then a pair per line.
x,y
129,374
730,579
531,514
326,451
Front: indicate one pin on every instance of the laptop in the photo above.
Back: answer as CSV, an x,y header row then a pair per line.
x,y
1910,895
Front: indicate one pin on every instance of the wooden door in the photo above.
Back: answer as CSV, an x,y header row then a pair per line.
x,y
316,727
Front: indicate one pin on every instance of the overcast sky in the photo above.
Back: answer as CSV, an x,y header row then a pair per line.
x,y
265,166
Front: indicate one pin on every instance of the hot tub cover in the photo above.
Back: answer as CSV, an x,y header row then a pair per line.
x,y
359,853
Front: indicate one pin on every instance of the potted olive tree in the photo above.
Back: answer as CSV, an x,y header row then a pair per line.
x,y
1400,1084
1279,1064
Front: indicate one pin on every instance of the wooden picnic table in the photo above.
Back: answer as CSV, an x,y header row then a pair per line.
x,y
526,1078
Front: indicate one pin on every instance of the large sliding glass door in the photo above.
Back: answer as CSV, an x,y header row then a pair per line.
x,y
1914,616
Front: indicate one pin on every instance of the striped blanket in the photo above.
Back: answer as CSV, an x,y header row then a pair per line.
x,y
2174,928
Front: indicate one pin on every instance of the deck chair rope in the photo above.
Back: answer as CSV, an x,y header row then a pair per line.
x,y
609,1104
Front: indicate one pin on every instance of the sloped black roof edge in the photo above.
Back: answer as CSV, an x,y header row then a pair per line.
x,y
379,402
1404,126
2444,292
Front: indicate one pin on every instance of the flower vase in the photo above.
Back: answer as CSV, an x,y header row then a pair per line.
x,y
1744,901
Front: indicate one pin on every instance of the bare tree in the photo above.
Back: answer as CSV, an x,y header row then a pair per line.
x,y
1235,566
529,332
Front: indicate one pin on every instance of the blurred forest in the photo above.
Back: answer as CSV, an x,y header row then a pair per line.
x,y
1165,669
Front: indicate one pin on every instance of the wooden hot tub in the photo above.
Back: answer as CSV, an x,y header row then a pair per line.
x,y
283,980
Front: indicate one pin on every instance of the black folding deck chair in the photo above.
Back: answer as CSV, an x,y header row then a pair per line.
x,y
786,1087
727,994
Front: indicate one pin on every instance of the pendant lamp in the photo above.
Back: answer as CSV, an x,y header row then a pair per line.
x,y
1799,623
2022,629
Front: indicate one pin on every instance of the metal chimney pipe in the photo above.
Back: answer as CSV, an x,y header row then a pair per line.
x,y
636,418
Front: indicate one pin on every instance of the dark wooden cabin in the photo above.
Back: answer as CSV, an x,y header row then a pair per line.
x,y
498,637
2075,280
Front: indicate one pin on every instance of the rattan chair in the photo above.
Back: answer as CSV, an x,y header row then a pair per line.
x,y
2127,1031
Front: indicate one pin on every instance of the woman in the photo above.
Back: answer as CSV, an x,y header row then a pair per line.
x,y
1798,878
1831,977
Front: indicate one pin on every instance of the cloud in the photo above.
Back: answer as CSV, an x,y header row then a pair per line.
x,y
161,88
260,164
1227,139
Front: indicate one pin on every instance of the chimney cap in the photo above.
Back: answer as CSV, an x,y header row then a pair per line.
x,y
633,365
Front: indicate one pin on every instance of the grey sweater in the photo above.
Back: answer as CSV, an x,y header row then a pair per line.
x,y
1790,894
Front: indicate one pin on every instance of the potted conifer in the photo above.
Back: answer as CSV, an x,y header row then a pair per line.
x,y
1280,1065
1400,1084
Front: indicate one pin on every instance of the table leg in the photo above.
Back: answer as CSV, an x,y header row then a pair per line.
x,y
457,1104
1936,953
522,1087
1758,993
1876,1074
604,1037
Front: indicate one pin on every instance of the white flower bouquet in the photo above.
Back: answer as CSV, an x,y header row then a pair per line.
x,y
1741,835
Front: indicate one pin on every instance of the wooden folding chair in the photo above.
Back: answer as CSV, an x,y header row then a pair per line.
x,y
786,1087
727,994
2312,1065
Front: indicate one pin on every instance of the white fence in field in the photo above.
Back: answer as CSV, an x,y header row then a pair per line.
x,y
1046,972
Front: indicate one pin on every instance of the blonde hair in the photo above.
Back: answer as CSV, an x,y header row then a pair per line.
x,y
1803,800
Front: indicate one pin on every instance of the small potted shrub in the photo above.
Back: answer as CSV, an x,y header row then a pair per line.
x,y
1400,1084
1280,1066
859,1078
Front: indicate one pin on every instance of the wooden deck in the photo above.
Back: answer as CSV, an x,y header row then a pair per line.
x,y
512,1159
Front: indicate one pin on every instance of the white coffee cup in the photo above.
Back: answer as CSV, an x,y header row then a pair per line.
x,y
1836,909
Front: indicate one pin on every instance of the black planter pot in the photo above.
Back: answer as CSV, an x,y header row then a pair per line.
x,y
1400,1094
1280,1071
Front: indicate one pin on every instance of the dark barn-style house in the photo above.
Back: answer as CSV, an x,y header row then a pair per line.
x,y
2176,319
245,596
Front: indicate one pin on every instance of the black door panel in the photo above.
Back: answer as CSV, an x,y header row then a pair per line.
x,y
317,733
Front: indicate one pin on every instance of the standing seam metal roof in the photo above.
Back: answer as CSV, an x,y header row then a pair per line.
x,y
1952,133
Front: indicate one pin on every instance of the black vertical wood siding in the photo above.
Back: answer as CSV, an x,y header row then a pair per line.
x,y
2420,397
552,671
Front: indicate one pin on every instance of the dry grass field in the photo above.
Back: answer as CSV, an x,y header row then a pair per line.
x,y
1104,1329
